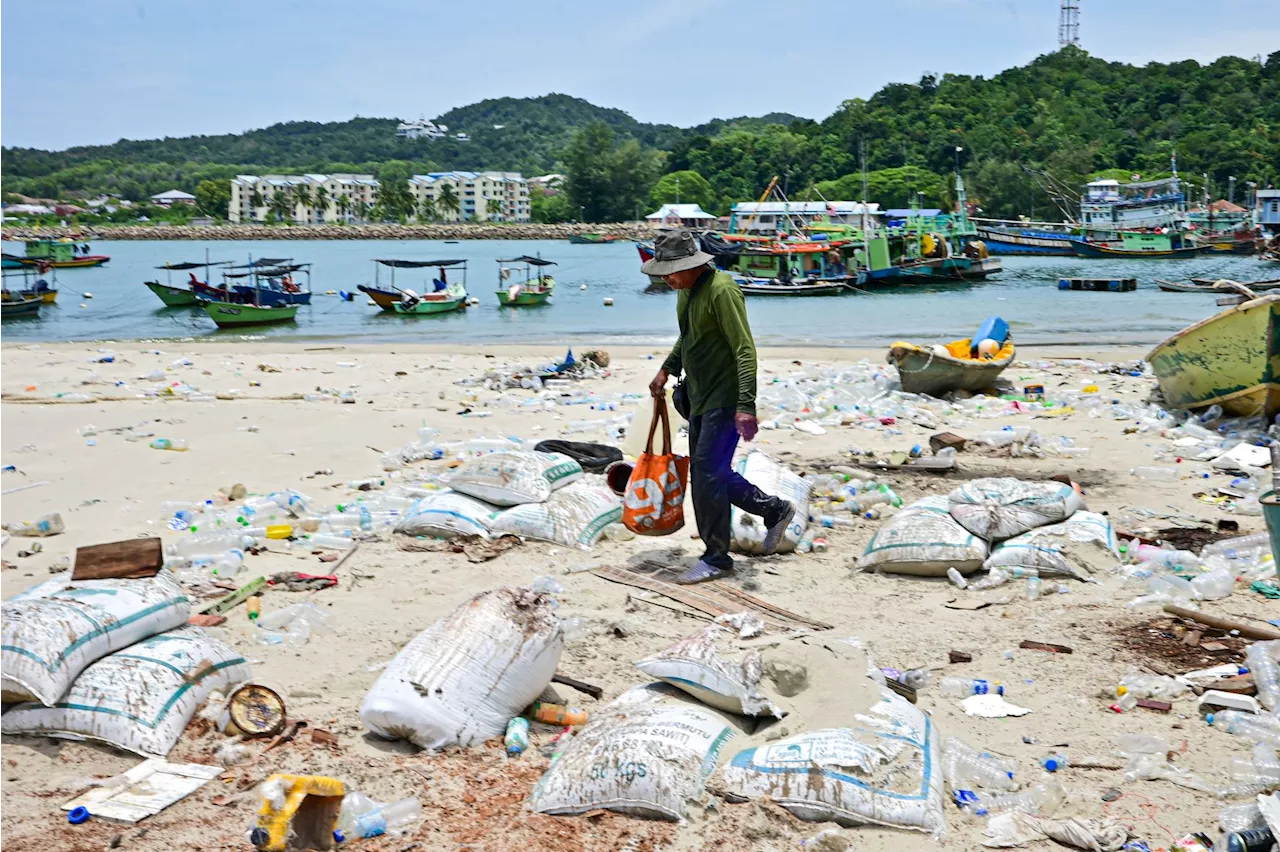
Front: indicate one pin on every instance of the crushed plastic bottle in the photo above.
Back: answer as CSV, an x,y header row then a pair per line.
x,y
965,768
366,818
176,444
963,687
293,625
1261,658
47,525
1042,800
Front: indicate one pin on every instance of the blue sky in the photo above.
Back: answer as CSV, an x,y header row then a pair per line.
x,y
95,71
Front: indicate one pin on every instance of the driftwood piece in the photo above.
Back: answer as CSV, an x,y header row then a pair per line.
x,y
132,559
1245,629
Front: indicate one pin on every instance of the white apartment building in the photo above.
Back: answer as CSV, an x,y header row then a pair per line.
x,y
474,191
421,129
344,197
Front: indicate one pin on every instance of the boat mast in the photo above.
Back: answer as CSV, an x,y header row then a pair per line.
x,y
866,245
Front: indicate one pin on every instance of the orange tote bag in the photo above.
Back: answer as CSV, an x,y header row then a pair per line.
x,y
654,500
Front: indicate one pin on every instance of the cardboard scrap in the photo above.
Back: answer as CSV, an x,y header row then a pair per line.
x,y
145,790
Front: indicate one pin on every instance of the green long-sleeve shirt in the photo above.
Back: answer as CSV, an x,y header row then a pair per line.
x,y
715,347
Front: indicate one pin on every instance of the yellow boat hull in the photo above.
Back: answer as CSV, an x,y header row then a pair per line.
x,y
1231,359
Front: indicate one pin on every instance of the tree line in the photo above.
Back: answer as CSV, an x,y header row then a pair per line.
x,y
1065,113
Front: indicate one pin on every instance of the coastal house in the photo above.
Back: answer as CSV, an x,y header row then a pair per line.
x,y
1266,209
550,185
346,197
768,217
680,216
474,191
172,197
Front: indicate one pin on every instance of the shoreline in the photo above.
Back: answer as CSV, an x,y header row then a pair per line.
x,y
449,231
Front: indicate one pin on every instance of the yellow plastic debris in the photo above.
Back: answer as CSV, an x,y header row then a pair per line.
x,y
1091,389
299,808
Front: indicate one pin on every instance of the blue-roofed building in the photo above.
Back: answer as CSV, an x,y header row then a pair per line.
x,y
1266,209
475,191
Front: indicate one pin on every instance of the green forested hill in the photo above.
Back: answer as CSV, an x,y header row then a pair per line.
x,y
1066,112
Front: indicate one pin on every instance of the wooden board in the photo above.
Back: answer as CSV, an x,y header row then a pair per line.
x,y
133,559
714,598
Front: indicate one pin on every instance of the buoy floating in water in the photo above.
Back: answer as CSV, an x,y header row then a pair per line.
x,y
83,305
583,287
608,303
88,295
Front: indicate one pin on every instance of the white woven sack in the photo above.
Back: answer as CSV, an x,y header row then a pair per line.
x,y
1002,507
446,515
463,678
647,753
708,668
574,516
49,640
923,539
777,480
140,698
886,771
1065,548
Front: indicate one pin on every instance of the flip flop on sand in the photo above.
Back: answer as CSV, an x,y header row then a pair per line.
x,y
701,573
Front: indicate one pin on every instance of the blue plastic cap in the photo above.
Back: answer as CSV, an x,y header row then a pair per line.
x,y
1208,718
78,815
1052,765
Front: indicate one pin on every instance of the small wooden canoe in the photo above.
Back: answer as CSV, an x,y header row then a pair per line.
x,y
228,315
942,368
1231,359
76,263
173,297
43,294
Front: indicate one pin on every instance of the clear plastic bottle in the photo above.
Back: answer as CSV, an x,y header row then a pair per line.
x,y
330,542
957,579
1054,762
47,525
1261,659
1229,546
830,521
964,687
1248,725
1042,799
1155,474
965,768
1035,588
1241,817
211,544
176,444
1214,585
377,820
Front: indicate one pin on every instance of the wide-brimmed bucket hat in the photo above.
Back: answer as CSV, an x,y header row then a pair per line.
x,y
675,251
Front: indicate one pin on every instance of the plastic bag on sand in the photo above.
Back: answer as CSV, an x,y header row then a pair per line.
x,y
513,477
712,671
139,698
647,753
462,679
446,515
574,516
1080,544
1016,828
923,539
886,771
1000,508
49,640
775,479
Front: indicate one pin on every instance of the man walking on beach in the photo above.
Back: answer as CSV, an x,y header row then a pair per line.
x,y
716,351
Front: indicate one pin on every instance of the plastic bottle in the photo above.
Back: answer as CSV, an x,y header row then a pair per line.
x,y
175,444
558,714
1229,546
253,608
1266,672
1247,725
380,820
1253,840
211,544
805,544
1042,799
1035,588
330,542
517,737
965,767
1054,762
1215,585
1241,817
820,545
964,687
830,521
1155,474
47,525
957,579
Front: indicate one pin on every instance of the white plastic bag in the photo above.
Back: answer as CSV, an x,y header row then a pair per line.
x,y
647,753
886,771
462,679
775,479
513,477
1002,507
923,539
49,640
707,667
1074,547
574,516
140,698
446,515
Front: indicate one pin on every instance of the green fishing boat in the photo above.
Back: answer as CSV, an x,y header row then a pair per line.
x,y
228,315
534,290
441,296
592,239
173,297
453,298
1231,359
176,295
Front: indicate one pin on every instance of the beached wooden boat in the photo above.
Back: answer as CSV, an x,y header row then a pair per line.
x,y
534,290
1231,359
228,315
1207,285
942,368
21,307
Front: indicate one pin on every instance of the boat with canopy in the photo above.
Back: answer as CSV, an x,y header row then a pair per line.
x,y
534,290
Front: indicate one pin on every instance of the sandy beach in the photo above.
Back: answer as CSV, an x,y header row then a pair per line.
x,y
108,489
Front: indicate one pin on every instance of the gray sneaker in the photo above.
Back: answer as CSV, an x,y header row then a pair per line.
x,y
776,530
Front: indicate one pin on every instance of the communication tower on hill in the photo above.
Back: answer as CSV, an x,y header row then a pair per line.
x,y
1069,23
